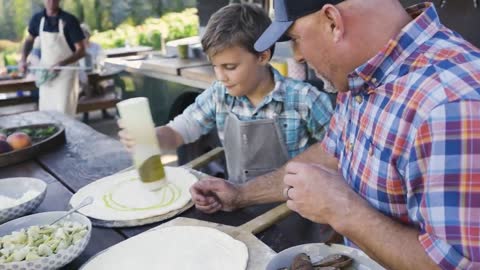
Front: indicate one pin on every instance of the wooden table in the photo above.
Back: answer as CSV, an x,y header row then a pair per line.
x,y
126,51
172,66
28,83
89,155
168,69
203,74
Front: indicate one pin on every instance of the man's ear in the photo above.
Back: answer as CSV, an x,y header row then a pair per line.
x,y
264,57
334,22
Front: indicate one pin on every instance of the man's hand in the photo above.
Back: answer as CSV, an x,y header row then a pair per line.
x,y
22,66
213,194
318,193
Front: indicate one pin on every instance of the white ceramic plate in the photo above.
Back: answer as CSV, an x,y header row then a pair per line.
x,y
15,188
318,251
54,261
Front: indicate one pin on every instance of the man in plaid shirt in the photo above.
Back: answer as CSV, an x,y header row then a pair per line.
x,y
405,136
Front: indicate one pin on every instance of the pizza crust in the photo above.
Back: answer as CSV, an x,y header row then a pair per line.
x,y
123,196
176,247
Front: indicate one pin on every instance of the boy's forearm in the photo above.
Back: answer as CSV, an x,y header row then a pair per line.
x,y
168,138
269,187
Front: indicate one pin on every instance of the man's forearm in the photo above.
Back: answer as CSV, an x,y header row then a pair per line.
x,y
27,48
73,58
392,244
269,187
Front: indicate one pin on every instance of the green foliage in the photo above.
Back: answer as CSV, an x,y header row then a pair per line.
x,y
74,7
100,15
153,32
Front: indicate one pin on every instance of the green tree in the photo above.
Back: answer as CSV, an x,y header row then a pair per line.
x,y
105,15
120,12
140,10
90,8
22,11
75,7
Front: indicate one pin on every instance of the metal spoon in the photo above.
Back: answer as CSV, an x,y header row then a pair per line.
x,y
87,201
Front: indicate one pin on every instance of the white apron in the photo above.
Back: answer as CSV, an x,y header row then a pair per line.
x,y
61,93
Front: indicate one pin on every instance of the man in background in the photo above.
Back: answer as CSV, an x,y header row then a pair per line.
x,y
61,45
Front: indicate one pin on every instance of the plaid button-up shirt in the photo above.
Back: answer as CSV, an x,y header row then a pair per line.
x,y
302,111
407,136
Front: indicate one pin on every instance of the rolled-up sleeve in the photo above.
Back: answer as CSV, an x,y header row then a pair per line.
x,y
444,183
198,118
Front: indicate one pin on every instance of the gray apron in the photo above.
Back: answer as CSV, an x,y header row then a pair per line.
x,y
252,147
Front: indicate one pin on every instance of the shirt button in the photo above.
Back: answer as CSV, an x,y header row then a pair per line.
x,y
370,150
359,99
374,80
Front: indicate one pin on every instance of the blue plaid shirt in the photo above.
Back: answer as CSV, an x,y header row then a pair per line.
x,y
407,136
303,112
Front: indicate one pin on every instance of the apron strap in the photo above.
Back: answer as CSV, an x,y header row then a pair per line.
x,y
42,25
60,27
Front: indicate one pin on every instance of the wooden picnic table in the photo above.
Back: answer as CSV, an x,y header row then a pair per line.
x,y
89,155
28,83
25,84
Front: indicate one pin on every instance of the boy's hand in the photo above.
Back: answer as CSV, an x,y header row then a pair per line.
x,y
125,138
213,194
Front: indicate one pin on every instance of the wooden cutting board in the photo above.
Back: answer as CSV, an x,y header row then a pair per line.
x,y
171,66
259,254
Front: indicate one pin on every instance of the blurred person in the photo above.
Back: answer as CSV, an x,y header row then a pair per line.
x,y
62,45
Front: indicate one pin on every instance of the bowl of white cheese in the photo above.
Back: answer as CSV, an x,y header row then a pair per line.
x,y
19,196
33,242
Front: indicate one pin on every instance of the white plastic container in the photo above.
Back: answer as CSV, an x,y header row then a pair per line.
x,y
137,119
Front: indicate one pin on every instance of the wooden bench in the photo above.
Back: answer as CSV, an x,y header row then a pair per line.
x,y
106,101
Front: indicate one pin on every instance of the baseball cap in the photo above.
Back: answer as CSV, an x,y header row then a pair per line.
x,y
286,12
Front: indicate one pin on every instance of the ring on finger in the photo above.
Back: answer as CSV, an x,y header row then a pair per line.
x,y
285,192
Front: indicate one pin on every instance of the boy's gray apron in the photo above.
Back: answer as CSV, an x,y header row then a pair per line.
x,y
252,147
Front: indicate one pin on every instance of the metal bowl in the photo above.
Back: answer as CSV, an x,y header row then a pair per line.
x,y
54,261
15,188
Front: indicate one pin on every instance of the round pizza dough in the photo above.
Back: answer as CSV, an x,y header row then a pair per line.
x,y
176,247
123,196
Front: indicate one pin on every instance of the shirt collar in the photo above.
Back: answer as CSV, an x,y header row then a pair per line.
x,y
424,25
278,92
46,16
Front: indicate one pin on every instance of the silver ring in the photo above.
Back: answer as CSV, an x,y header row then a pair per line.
x,y
285,192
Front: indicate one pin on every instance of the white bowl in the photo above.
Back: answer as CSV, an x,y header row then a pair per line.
x,y
318,250
54,261
15,188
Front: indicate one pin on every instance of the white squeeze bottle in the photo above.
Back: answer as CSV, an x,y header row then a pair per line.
x,y
137,120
